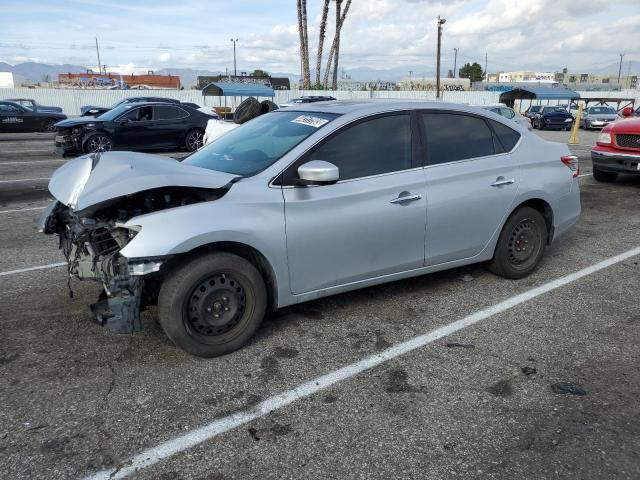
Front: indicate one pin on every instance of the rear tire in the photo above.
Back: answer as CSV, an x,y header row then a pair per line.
x,y
212,304
602,176
194,139
521,244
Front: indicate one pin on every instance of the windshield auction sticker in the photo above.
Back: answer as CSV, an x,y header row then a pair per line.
x,y
309,120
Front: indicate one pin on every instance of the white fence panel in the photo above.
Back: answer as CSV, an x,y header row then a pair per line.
x,y
72,99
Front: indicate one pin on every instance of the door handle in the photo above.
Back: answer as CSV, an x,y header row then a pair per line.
x,y
406,198
500,181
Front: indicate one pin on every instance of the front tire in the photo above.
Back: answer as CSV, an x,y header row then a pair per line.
x,y
212,304
521,244
602,176
98,143
194,140
48,125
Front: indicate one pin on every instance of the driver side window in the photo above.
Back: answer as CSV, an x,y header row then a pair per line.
x,y
142,114
372,147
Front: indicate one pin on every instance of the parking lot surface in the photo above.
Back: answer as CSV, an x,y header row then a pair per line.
x,y
478,403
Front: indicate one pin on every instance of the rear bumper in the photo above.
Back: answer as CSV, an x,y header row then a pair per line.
x,y
616,161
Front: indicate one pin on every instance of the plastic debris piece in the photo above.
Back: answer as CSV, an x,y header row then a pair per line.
x,y
253,433
529,370
459,345
466,277
568,389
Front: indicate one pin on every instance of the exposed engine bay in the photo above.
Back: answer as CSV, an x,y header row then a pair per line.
x,y
91,240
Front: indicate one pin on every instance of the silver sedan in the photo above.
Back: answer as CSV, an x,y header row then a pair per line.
x,y
303,203
509,113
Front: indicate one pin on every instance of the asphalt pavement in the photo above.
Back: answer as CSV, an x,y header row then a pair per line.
x,y
481,399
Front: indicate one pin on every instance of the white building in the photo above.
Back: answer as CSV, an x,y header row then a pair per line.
x,y
10,80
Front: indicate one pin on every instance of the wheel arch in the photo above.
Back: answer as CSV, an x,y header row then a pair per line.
x,y
541,206
249,253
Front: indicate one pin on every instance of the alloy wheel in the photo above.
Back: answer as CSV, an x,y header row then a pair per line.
x,y
194,140
99,143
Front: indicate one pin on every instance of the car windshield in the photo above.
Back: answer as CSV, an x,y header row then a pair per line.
x,y
602,110
552,109
115,112
259,143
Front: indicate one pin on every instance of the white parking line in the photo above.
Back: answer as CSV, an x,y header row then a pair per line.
x,y
31,269
24,180
211,430
22,209
34,161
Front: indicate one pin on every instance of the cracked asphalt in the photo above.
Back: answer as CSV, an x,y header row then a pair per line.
x,y
478,404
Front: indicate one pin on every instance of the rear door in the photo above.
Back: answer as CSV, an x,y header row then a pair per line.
x,y
359,227
472,181
169,125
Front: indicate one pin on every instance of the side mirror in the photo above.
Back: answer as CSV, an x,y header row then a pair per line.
x,y
627,111
318,172
124,121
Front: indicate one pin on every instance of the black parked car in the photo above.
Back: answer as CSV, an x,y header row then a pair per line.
x,y
33,105
532,110
16,118
133,126
552,117
91,111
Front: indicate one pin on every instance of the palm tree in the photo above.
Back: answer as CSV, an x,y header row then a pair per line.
x,y
304,43
334,86
336,42
323,29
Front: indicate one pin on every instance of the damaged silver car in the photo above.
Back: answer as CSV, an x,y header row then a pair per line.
x,y
304,203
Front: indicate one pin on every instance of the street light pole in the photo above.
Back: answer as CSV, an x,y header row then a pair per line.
x,y
455,62
620,69
235,70
440,23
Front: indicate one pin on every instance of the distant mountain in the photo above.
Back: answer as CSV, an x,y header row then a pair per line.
x,y
612,69
38,72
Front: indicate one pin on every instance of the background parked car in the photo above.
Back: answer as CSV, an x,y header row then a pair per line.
x,y
33,105
509,113
133,126
552,118
532,110
16,118
307,99
617,149
598,117
91,111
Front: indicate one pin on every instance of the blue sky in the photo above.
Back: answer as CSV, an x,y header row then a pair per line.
x,y
516,34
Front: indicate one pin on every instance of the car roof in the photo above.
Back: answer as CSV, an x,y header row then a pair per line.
x,y
372,106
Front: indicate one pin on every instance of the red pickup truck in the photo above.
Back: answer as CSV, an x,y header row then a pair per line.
x,y
618,148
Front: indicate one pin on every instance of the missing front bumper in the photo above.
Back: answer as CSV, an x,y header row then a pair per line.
x,y
120,312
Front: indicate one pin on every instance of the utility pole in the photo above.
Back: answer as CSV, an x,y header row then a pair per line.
x,y
627,83
98,52
440,23
455,62
486,74
620,69
235,69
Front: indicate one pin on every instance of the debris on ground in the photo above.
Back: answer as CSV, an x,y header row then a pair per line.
x,y
529,370
568,389
459,345
466,277
253,433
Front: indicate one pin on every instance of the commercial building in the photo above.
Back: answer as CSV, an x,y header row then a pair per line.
x,y
91,79
521,76
588,81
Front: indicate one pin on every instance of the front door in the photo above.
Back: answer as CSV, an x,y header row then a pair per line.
x,y
472,180
359,227
133,129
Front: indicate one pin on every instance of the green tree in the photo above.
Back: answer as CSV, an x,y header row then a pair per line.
x,y
472,71
259,73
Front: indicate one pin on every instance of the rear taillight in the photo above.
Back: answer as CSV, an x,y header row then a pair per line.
x,y
573,163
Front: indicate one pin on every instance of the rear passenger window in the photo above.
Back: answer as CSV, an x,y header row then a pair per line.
x,y
507,137
169,113
372,147
452,137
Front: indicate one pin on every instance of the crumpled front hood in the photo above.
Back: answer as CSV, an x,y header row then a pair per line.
x,y
77,122
88,180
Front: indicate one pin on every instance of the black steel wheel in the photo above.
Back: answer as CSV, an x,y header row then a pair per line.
x,y
194,140
98,143
521,244
212,304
